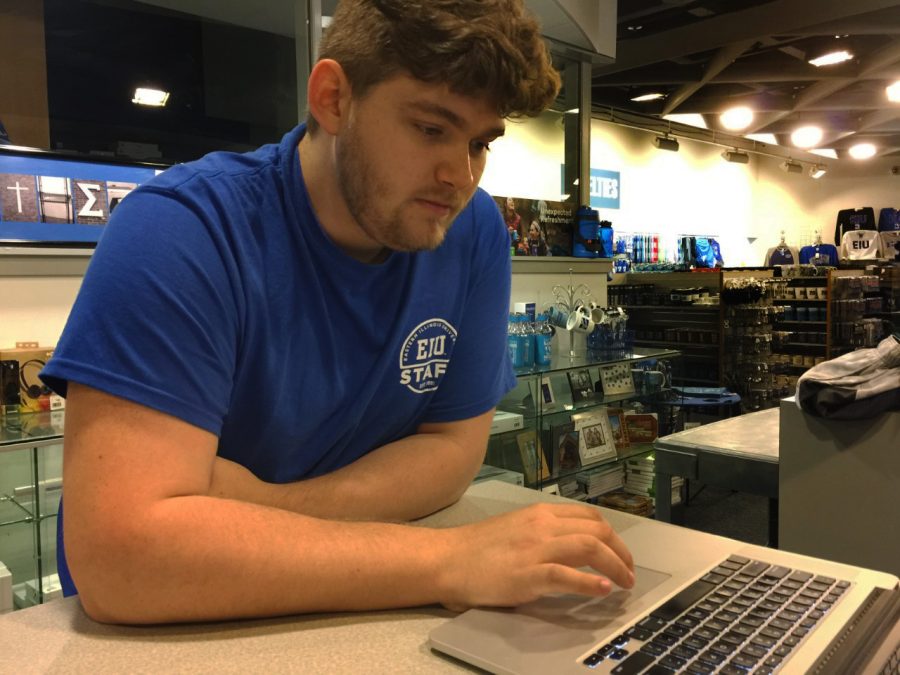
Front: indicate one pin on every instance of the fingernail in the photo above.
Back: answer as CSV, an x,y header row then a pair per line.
x,y
631,578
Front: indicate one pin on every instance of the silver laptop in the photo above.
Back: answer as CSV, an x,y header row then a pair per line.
x,y
701,604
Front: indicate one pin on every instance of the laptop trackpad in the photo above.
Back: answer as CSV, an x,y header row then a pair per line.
x,y
573,610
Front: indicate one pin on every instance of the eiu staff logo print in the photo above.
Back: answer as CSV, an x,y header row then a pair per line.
x,y
425,355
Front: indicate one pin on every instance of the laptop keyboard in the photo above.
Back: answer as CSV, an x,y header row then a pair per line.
x,y
744,616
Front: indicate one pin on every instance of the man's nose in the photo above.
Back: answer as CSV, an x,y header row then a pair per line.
x,y
455,169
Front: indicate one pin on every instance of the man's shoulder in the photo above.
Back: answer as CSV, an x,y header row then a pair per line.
x,y
218,168
222,168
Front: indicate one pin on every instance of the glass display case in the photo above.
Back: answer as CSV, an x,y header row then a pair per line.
x,y
572,426
30,489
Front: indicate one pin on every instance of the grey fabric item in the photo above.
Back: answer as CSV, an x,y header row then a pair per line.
x,y
857,385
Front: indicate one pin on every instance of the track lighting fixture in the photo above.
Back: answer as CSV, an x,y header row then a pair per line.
x,y
791,166
817,170
666,143
736,156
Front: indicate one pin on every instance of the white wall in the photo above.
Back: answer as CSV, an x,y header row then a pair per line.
x,y
800,206
35,308
692,191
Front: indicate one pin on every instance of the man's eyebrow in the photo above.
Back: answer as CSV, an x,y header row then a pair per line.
x,y
451,117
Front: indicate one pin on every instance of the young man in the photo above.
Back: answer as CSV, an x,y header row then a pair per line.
x,y
277,357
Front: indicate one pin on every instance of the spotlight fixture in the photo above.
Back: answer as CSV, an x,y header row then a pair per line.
x,y
666,143
791,167
817,170
831,58
152,97
736,156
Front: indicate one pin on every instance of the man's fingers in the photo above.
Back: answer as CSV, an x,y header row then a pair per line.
x,y
584,519
559,578
579,550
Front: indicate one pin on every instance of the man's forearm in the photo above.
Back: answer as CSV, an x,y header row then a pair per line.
x,y
404,480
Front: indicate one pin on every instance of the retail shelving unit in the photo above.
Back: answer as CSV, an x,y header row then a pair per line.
x,y
30,487
664,316
529,447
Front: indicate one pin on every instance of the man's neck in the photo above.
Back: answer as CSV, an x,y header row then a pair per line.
x,y
327,201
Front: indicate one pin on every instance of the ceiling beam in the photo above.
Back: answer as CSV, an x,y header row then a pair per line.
x,y
724,58
866,122
771,18
816,92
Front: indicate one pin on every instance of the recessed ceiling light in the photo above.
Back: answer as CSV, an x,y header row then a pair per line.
x,y
654,96
893,92
806,137
735,119
831,58
151,97
862,151
817,170
635,27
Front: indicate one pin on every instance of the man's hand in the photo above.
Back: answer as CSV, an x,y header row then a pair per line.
x,y
517,557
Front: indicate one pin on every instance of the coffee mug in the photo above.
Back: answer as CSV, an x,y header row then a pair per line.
x,y
597,313
580,320
557,317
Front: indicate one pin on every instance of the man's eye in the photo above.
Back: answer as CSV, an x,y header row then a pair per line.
x,y
429,131
479,147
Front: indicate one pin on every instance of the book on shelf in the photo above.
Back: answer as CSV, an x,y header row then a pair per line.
x,y
600,480
620,500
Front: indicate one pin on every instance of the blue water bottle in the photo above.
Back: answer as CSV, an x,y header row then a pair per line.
x,y
606,239
543,341
585,241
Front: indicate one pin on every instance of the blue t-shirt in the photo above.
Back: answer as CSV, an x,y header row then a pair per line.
x,y
889,220
819,254
215,296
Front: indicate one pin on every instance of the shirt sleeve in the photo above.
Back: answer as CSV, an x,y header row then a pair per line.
x,y
480,372
156,318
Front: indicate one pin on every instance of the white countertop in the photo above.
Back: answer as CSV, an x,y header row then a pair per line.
x,y
58,637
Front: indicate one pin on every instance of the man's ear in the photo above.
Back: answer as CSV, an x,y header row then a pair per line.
x,y
328,95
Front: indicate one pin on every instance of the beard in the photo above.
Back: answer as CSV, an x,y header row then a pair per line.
x,y
398,224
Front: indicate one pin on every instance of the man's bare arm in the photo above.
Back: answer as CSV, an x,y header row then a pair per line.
x,y
407,479
146,543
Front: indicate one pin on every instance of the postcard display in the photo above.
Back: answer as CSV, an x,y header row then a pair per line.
x,y
579,422
48,199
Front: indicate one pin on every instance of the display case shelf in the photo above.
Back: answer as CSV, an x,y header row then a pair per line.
x,y
30,483
527,450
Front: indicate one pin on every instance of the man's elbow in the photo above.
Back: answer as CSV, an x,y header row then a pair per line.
x,y
108,582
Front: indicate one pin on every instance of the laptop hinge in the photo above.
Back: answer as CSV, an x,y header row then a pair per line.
x,y
853,648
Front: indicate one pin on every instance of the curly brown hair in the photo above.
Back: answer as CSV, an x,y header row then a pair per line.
x,y
490,48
